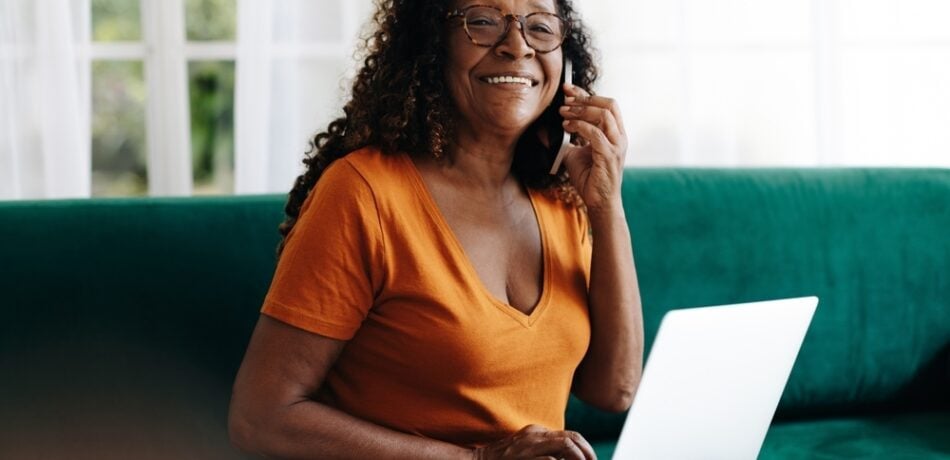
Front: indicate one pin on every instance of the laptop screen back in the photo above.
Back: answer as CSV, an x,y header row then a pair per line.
x,y
713,380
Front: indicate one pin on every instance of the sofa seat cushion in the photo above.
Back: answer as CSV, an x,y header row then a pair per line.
x,y
905,436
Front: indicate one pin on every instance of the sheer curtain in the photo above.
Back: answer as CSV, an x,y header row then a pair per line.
x,y
294,58
726,83
44,122
778,82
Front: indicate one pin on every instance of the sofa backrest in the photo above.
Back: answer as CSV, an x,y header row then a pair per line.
x,y
124,322
132,313
872,244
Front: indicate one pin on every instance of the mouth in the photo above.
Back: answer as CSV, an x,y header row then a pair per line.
x,y
522,80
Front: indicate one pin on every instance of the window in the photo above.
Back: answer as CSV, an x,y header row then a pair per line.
x,y
138,107
164,91
182,97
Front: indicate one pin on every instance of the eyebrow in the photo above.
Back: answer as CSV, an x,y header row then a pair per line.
x,y
535,5
542,7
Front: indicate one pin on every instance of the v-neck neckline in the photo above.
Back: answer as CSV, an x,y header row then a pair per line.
x,y
435,213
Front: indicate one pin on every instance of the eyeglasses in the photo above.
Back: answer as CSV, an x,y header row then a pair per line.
x,y
487,26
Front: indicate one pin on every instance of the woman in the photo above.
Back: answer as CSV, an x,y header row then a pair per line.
x,y
438,294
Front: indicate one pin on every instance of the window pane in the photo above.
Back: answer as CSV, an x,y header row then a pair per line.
x,y
211,92
211,19
118,129
116,20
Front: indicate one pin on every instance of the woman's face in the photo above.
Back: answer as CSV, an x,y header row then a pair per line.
x,y
486,105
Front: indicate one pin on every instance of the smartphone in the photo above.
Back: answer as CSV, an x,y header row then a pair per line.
x,y
566,137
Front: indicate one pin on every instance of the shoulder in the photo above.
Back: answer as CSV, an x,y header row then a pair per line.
x,y
367,170
568,222
387,177
374,166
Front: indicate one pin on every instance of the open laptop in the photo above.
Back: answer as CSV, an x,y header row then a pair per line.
x,y
713,380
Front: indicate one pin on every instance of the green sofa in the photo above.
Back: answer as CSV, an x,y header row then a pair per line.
x,y
124,321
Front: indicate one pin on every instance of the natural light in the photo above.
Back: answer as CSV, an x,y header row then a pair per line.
x,y
182,97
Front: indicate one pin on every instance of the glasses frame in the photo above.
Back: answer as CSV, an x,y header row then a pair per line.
x,y
509,18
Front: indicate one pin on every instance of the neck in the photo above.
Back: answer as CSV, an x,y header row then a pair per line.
x,y
480,161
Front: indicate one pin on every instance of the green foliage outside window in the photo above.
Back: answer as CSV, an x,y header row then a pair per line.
x,y
116,20
119,98
211,19
211,90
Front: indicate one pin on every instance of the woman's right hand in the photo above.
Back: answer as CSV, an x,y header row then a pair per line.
x,y
535,441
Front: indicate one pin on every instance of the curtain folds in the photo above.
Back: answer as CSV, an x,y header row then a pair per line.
x,y
270,130
293,60
44,113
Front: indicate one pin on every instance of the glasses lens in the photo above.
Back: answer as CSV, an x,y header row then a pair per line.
x,y
544,31
485,25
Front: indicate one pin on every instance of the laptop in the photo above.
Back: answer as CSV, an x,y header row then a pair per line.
x,y
713,380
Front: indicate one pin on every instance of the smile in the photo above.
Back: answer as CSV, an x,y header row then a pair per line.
x,y
508,79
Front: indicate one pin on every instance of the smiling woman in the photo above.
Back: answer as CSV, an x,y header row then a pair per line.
x,y
439,294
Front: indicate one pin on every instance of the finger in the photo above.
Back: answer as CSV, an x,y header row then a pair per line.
x,y
598,116
569,450
533,428
598,101
597,139
578,95
583,445
572,451
555,443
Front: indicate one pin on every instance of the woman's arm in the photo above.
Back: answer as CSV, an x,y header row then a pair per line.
x,y
610,372
272,413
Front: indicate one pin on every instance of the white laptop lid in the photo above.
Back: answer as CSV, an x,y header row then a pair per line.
x,y
713,380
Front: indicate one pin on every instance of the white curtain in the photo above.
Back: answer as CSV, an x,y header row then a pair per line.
x,y
293,58
44,122
778,82
701,83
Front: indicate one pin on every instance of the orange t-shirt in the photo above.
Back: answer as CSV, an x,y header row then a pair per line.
x,y
430,351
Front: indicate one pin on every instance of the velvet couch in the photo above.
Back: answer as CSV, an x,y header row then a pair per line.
x,y
124,320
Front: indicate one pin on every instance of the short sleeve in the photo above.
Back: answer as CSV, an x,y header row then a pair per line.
x,y
331,266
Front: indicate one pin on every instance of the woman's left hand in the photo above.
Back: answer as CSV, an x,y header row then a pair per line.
x,y
596,167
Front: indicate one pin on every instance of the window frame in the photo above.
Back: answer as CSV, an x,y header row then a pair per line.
x,y
166,54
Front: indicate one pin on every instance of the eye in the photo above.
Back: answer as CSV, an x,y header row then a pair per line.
x,y
541,28
481,21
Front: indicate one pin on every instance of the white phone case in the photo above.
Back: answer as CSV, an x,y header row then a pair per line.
x,y
566,140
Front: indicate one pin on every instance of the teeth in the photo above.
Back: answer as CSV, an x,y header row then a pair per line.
x,y
508,79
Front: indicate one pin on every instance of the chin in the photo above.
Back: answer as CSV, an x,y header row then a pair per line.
x,y
512,124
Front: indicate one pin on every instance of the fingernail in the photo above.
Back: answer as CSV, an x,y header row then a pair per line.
x,y
569,99
565,122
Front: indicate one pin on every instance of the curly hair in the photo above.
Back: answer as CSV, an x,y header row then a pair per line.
x,y
399,101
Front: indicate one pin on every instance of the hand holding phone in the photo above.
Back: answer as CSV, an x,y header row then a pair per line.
x,y
566,139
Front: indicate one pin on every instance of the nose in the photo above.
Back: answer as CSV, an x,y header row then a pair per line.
x,y
514,46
